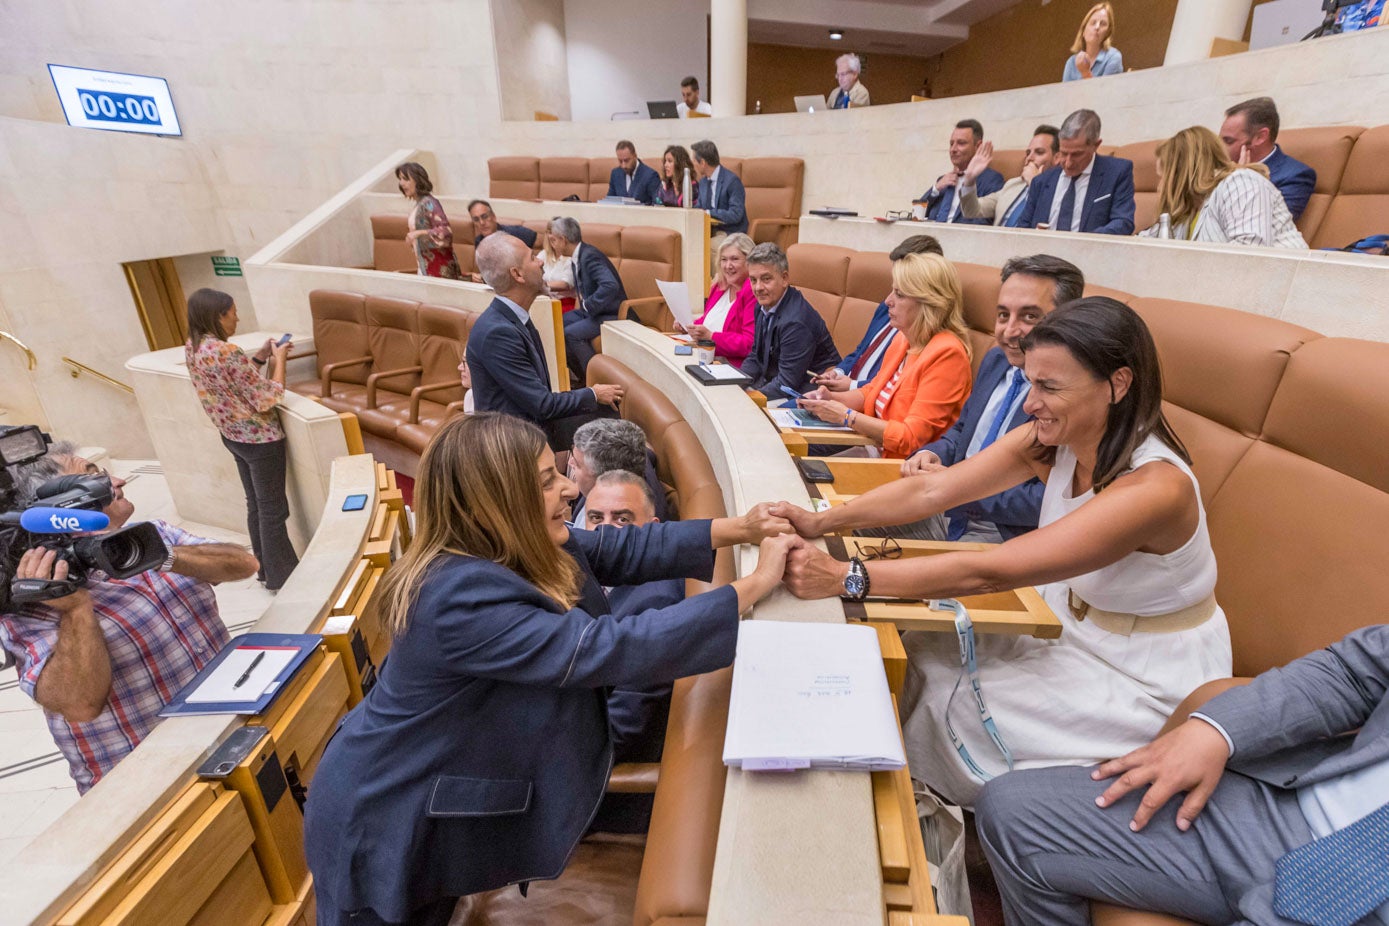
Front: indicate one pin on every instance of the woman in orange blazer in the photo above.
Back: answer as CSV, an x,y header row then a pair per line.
x,y
925,376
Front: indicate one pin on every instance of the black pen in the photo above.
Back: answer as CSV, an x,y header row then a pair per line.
x,y
249,669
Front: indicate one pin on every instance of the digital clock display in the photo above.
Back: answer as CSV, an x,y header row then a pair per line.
x,y
115,102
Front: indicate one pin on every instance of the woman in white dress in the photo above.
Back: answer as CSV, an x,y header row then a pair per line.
x,y
1121,555
1208,197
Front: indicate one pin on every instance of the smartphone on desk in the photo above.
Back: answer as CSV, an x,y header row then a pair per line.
x,y
815,470
683,350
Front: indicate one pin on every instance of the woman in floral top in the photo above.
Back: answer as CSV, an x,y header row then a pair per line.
x,y
241,403
430,232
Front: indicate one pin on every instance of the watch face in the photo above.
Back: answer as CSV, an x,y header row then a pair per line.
x,y
854,585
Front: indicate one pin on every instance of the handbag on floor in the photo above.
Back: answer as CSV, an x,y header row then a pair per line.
x,y
943,832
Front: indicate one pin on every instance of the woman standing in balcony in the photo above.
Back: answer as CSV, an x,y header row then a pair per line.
x,y
430,232
1094,54
241,403
674,163
730,314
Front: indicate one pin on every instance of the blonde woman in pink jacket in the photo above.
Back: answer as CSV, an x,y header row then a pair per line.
x,y
729,318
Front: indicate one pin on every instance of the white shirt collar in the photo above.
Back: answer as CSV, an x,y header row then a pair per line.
x,y
519,312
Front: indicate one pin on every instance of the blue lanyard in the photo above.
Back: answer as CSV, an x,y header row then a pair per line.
x,y
964,632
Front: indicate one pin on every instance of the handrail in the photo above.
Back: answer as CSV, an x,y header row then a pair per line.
x,y
78,368
33,358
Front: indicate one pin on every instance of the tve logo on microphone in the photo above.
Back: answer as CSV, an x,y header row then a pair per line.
x,y
63,520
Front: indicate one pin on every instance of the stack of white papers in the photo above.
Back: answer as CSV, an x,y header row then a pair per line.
x,y
810,696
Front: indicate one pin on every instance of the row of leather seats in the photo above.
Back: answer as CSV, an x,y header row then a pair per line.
x,y
1350,202
391,362
773,186
642,254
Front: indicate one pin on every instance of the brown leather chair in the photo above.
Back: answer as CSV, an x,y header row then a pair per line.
x,y
599,172
393,341
340,340
821,273
647,254
773,187
1325,149
389,249
561,177
1009,162
1143,154
1361,204
443,333
980,285
514,178
867,283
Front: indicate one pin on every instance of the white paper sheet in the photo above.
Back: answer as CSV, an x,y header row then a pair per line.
x,y
221,685
677,297
723,371
810,694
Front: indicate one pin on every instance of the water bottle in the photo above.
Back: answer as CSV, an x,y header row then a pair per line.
x,y
685,190
1165,226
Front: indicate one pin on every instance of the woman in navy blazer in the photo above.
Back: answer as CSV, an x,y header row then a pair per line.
x,y
481,754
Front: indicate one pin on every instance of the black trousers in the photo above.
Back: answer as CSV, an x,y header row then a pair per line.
x,y
262,471
437,913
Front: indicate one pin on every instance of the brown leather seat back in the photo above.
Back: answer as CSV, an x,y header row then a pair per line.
x,y
821,273
773,188
1009,162
1299,526
648,254
561,177
1094,289
389,249
443,333
606,238
1325,149
980,286
1143,154
340,332
868,283
1361,203
728,163
513,177
393,340
599,172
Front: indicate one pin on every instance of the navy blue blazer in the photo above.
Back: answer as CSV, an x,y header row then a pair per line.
x,y
787,345
1015,511
875,324
729,204
1108,209
598,285
646,184
481,754
637,716
510,374
516,231
939,204
1295,180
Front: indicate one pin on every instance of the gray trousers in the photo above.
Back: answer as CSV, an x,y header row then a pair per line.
x,y
1052,849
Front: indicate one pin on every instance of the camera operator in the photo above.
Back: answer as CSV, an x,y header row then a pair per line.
x,y
104,660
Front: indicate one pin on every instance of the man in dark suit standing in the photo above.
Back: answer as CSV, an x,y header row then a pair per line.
x,y
942,202
1086,191
1250,134
505,355
1298,831
721,193
599,291
791,338
631,178
1032,287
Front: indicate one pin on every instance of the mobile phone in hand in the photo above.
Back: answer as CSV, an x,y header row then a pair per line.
x,y
792,393
284,339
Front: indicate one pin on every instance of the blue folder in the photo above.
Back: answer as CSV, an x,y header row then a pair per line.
x,y
303,643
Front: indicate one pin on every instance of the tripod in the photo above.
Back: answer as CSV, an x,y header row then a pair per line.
x,y
1329,25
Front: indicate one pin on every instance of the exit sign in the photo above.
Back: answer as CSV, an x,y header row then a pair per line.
x,y
226,266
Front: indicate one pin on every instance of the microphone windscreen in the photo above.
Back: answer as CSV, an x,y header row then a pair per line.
x,y
62,520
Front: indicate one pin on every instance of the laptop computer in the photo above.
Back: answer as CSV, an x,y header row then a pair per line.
x,y
811,104
662,109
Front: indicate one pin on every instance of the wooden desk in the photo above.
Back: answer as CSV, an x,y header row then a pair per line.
x,y
854,477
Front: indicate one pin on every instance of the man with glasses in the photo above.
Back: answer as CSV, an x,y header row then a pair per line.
x,y
849,92
485,223
104,660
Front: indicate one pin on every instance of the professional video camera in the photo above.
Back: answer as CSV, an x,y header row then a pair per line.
x,y
66,505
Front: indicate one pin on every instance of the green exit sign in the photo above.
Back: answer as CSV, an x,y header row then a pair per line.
x,y
226,266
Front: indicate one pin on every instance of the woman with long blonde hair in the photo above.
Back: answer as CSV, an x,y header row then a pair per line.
x,y
1208,197
925,375
1093,53
481,754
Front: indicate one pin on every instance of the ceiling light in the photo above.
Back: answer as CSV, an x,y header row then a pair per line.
x,y
836,34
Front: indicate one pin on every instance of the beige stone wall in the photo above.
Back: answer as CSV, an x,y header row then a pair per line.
x,y
532,60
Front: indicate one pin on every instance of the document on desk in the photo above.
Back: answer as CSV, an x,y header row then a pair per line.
x,y
677,296
245,675
794,418
810,696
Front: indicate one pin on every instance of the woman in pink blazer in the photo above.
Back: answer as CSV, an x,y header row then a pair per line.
x,y
729,318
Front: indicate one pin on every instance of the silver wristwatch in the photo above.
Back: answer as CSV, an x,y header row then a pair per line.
x,y
168,564
856,582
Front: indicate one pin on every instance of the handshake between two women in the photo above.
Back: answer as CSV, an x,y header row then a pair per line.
x,y
786,555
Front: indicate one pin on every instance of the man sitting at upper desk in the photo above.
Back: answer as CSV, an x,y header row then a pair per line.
x,y
721,193
791,340
1005,207
942,204
631,178
485,223
1086,191
1250,134
850,92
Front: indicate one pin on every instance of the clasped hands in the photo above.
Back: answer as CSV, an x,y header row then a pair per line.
x,y
784,531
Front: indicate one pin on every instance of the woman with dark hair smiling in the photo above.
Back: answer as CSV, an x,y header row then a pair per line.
x,y
430,232
1122,556
480,756
241,403
674,163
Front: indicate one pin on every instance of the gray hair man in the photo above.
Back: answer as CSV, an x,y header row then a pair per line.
x,y
849,92
598,289
1085,191
791,339
605,446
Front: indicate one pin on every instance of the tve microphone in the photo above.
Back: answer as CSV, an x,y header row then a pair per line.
x,y
62,520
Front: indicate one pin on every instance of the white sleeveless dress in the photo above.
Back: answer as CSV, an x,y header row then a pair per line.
x,y
1089,695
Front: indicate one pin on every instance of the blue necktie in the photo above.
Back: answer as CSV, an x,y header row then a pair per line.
x,y
947,199
1068,207
1339,879
1014,217
843,101
1002,417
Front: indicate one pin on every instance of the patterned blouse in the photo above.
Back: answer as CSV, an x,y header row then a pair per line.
x,y
235,396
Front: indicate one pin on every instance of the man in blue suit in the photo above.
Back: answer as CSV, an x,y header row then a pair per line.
x,y
721,193
599,290
631,178
506,358
1085,192
791,339
1032,287
1250,134
1283,817
942,203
